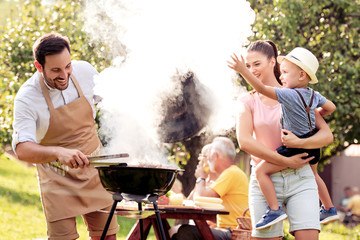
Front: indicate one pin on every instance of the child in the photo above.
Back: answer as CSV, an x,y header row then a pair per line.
x,y
298,103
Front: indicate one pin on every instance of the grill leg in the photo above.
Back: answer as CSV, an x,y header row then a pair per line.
x,y
159,221
141,222
117,198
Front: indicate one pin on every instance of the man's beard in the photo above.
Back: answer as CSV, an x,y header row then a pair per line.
x,y
54,84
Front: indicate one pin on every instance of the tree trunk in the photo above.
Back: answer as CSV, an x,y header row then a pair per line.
x,y
193,146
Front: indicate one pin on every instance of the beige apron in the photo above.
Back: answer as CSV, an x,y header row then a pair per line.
x,y
71,192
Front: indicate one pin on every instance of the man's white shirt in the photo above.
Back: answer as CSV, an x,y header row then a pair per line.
x,y
31,112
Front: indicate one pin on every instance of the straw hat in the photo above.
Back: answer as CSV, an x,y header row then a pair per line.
x,y
304,59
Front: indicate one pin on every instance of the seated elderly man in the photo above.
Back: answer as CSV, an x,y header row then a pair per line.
x,y
231,185
202,169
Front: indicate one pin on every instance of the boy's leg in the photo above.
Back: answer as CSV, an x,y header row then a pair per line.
x,y
323,191
328,212
274,213
262,173
258,207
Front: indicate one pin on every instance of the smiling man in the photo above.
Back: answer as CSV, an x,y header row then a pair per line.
x,y
54,128
57,75
230,184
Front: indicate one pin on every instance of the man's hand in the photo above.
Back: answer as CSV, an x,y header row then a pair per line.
x,y
36,153
200,172
72,158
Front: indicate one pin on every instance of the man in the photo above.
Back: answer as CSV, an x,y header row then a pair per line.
x,y
354,202
203,166
231,185
341,207
54,128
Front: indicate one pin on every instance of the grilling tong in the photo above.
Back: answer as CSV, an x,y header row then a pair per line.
x,y
108,159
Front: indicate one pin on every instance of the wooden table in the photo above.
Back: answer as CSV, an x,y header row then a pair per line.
x,y
198,215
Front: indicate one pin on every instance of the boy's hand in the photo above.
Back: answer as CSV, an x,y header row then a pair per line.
x,y
237,64
289,139
327,109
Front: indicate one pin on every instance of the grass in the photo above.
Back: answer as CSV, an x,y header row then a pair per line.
x,y
21,214
337,231
332,231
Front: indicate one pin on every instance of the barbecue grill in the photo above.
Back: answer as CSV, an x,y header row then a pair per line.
x,y
140,184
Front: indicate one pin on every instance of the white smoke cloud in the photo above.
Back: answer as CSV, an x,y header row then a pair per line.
x,y
153,40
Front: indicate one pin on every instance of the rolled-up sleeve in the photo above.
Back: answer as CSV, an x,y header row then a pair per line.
x,y
24,125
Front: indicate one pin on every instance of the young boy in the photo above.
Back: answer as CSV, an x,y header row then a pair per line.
x,y
298,103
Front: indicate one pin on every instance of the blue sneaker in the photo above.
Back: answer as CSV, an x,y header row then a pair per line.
x,y
271,217
327,216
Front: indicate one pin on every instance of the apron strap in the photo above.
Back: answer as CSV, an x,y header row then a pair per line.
x,y
78,88
46,92
307,107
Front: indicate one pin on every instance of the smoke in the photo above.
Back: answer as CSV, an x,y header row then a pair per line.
x,y
153,41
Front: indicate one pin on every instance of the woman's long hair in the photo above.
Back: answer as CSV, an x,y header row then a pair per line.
x,y
269,49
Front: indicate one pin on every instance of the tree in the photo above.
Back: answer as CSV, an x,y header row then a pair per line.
x,y
29,22
330,29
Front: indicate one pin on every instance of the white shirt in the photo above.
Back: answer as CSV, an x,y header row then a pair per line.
x,y
31,112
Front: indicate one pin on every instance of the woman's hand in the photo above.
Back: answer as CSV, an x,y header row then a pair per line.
x,y
237,64
297,160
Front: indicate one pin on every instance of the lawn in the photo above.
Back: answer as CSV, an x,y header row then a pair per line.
x,y
21,215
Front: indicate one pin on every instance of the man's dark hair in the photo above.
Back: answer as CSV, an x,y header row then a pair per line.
x,y
49,44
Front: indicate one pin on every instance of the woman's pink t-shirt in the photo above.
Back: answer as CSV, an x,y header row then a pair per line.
x,y
266,122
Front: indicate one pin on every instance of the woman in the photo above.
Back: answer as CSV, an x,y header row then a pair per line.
x,y
258,133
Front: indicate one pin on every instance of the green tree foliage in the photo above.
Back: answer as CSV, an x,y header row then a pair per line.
x,y
29,21
330,29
